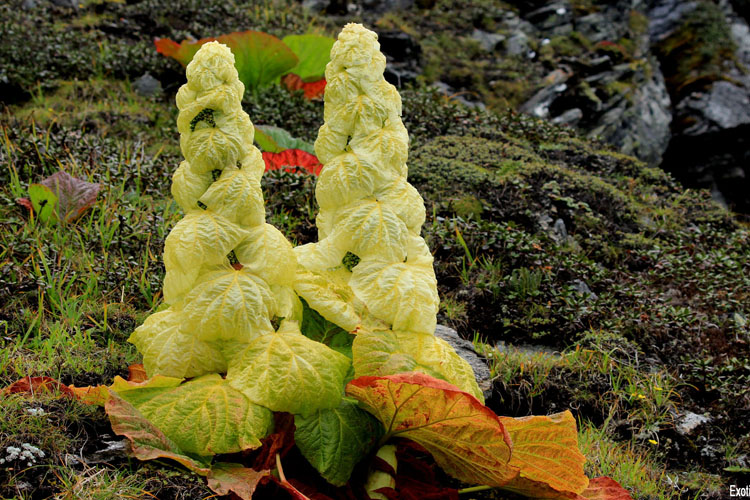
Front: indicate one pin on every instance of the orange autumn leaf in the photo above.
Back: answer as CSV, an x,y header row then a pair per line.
x,y
36,385
604,488
137,373
545,449
466,438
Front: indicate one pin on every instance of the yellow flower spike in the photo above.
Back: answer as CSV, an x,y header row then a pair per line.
x,y
216,309
370,266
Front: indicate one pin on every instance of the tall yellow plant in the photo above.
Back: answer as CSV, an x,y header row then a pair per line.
x,y
229,274
371,272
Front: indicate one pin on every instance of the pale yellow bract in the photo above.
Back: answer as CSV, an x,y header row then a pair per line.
x,y
221,316
370,215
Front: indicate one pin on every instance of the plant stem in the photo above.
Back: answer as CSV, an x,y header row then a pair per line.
x,y
474,489
281,471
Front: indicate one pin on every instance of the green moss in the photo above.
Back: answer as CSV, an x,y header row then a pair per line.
x,y
697,53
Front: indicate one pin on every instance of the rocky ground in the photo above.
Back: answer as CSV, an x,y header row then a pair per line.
x,y
588,279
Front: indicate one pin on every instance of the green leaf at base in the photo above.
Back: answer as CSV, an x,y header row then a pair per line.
x,y
466,438
147,442
204,416
334,441
286,371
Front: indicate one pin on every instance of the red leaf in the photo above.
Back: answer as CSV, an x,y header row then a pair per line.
x,y
417,477
168,47
36,385
313,90
137,373
280,442
604,488
292,159
74,196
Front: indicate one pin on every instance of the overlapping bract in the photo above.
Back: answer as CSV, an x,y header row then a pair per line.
x,y
371,271
228,284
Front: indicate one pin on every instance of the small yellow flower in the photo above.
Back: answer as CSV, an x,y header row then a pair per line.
x,y
653,441
657,388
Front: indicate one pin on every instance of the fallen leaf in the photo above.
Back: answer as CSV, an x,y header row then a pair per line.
x,y
225,478
147,442
604,488
37,385
73,196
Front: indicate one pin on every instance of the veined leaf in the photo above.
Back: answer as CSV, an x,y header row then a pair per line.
x,y
275,140
337,439
313,53
604,488
225,478
204,416
73,196
466,439
147,442
260,58
267,253
188,187
236,196
329,295
229,304
201,237
286,371
545,449
370,228
404,294
388,352
316,327
168,351
346,179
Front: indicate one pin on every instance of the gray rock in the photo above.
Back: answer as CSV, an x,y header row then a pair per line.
x,y
553,19
29,4
488,41
569,117
146,85
639,123
316,6
465,349
724,106
596,27
517,44
688,423
581,287
665,16
540,102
